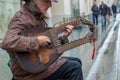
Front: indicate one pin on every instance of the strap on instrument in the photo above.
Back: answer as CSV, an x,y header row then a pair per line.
x,y
94,48
9,62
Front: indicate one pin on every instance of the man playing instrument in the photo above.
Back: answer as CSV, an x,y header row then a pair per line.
x,y
30,15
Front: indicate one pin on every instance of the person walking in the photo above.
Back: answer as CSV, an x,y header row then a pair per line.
x,y
103,13
114,10
31,15
95,13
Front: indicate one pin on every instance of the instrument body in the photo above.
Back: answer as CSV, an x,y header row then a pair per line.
x,y
29,60
38,61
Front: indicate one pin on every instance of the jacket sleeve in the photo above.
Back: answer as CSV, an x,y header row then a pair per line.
x,y
15,42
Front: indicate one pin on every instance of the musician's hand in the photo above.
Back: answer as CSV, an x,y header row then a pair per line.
x,y
43,40
69,29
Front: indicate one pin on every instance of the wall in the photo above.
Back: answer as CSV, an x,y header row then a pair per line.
x,y
7,10
85,7
60,10
67,6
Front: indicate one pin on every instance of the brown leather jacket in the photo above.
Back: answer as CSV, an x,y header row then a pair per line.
x,y
12,41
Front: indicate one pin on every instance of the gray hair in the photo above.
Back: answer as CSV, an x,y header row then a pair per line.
x,y
35,10
33,7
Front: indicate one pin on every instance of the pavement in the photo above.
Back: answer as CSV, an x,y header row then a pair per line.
x,y
104,67
5,73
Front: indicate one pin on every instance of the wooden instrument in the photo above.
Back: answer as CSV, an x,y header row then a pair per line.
x,y
40,60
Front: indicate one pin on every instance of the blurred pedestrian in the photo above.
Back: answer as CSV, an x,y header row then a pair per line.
x,y
114,10
103,13
95,13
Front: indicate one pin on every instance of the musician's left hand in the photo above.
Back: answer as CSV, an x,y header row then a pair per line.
x,y
69,29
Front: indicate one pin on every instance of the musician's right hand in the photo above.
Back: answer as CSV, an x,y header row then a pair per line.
x,y
43,40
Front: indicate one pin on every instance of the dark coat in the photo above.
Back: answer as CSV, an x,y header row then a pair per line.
x,y
114,9
95,10
14,42
103,9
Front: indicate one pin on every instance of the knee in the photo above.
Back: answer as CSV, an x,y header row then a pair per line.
x,y
76,64
78,60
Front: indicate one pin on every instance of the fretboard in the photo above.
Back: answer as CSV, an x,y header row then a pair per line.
x,y
72,44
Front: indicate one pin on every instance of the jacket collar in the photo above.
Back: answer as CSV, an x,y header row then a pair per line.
x,y
34,10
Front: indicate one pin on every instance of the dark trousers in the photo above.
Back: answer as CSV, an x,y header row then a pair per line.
x,y
95,19
114,15
72,70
